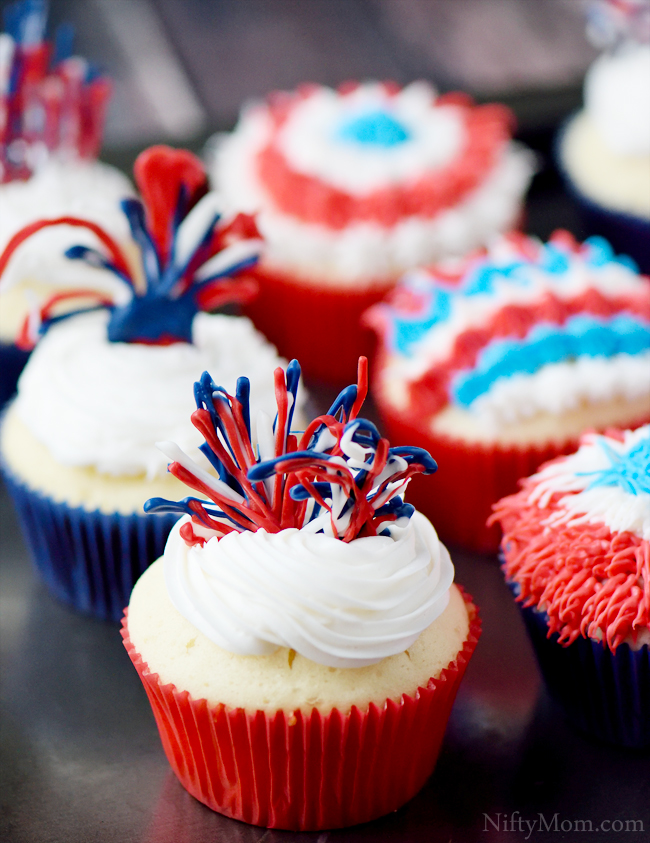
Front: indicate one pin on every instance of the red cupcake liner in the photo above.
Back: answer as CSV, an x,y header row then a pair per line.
x,y
470,478
318,325
305,771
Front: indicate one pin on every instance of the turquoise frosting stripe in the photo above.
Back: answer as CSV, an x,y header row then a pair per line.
x,y
580,336
436,299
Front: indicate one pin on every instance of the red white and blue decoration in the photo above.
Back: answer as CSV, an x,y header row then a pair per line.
x,y
187,255
577,539
338,477
460,329
51,102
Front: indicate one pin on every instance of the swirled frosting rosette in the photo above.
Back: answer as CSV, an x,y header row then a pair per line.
x,y
506,357
576,551
299,592
356,185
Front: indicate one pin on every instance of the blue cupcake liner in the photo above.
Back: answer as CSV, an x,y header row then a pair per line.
x,y
12,362
627,233
605,694
89,560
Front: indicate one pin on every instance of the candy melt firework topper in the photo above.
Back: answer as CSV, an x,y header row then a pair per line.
x,y
577,539
51,102
339,477
612,22
186,255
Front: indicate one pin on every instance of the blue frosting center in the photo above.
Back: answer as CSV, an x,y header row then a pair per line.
x,y
579,336
630,471
375,128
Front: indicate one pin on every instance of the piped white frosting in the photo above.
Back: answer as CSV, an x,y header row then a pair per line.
x,y
560,387
104,405
338,604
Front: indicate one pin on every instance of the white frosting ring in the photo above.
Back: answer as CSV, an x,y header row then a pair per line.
x,y
338,604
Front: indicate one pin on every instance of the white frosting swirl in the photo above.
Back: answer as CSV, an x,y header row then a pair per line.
x,y
617,99
104,405
338,604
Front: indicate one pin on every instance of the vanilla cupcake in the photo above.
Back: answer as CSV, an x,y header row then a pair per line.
x,y
354,186
301,640
576,551
500,362
78,443
51,135
604,150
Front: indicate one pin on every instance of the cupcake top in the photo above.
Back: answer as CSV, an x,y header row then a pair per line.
x,y
114,378
577,540
303,540
520,329
367,180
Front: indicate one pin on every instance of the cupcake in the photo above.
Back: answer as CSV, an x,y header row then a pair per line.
x,y
354,186
604,150
53,107
77,445
576,550
499,362
301,640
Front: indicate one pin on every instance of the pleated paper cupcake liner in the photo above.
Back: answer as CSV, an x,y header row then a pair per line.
x,y
12,362
317,324
605,694
305,770
89,560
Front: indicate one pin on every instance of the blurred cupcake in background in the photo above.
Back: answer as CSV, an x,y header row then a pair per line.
x,y
52,112
78,443
302,640
604,151
354,186
499,362
576,550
